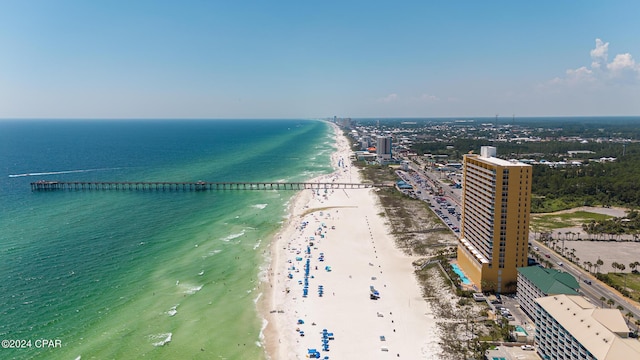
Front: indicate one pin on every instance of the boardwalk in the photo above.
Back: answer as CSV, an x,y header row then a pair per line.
x,y
44,185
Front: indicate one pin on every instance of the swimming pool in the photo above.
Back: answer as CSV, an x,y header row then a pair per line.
x,y
463,277
520,328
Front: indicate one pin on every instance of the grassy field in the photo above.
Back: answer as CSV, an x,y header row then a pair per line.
x,y
632,283
549,222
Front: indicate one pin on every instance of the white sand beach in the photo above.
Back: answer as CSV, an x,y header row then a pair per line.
x,y
348,248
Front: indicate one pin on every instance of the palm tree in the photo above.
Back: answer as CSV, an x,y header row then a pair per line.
x,y
602,300
599,263
562,248
633,266
622,267
615,266
629,316
610,302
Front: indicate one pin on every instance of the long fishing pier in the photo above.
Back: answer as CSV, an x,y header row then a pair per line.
x,y
44,185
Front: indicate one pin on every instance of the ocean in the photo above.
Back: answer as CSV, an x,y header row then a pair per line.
x,y
134,274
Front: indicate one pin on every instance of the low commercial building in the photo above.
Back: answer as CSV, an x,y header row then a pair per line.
x,y
570,327
536,282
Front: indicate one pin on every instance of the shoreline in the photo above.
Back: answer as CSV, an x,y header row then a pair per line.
x,y
336,243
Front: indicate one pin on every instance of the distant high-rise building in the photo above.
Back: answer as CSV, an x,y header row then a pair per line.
x,y
494,231
383,148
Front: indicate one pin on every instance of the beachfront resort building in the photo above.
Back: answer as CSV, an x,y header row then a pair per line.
x,y
535,282
496,200
570,327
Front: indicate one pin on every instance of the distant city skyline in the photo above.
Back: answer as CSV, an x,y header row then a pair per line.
x,y
292,59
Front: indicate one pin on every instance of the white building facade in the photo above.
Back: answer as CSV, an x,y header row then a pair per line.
x,y
570,327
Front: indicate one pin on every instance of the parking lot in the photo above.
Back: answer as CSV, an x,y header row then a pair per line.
x,y
512,352
445,207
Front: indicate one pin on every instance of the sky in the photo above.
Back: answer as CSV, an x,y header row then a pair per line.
x,y
314,59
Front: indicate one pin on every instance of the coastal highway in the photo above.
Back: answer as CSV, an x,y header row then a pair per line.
x,y
434,180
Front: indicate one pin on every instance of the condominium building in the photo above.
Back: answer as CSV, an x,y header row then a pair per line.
x,y
496,200
383,147
536,282
570,327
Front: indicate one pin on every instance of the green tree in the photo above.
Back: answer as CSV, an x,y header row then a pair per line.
x,y
629,316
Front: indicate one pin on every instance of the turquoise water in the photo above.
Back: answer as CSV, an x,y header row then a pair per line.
x,y
126,275
520,328
463,277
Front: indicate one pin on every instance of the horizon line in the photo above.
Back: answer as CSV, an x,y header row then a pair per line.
x,y
315,118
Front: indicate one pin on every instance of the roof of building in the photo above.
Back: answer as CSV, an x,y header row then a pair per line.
x,y
602,332
403,185
550,281
502,162
498,161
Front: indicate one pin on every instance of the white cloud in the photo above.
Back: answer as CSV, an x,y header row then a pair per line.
x,y
579,75
389,98
622,62
429,98
599,54
623,69
425,99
